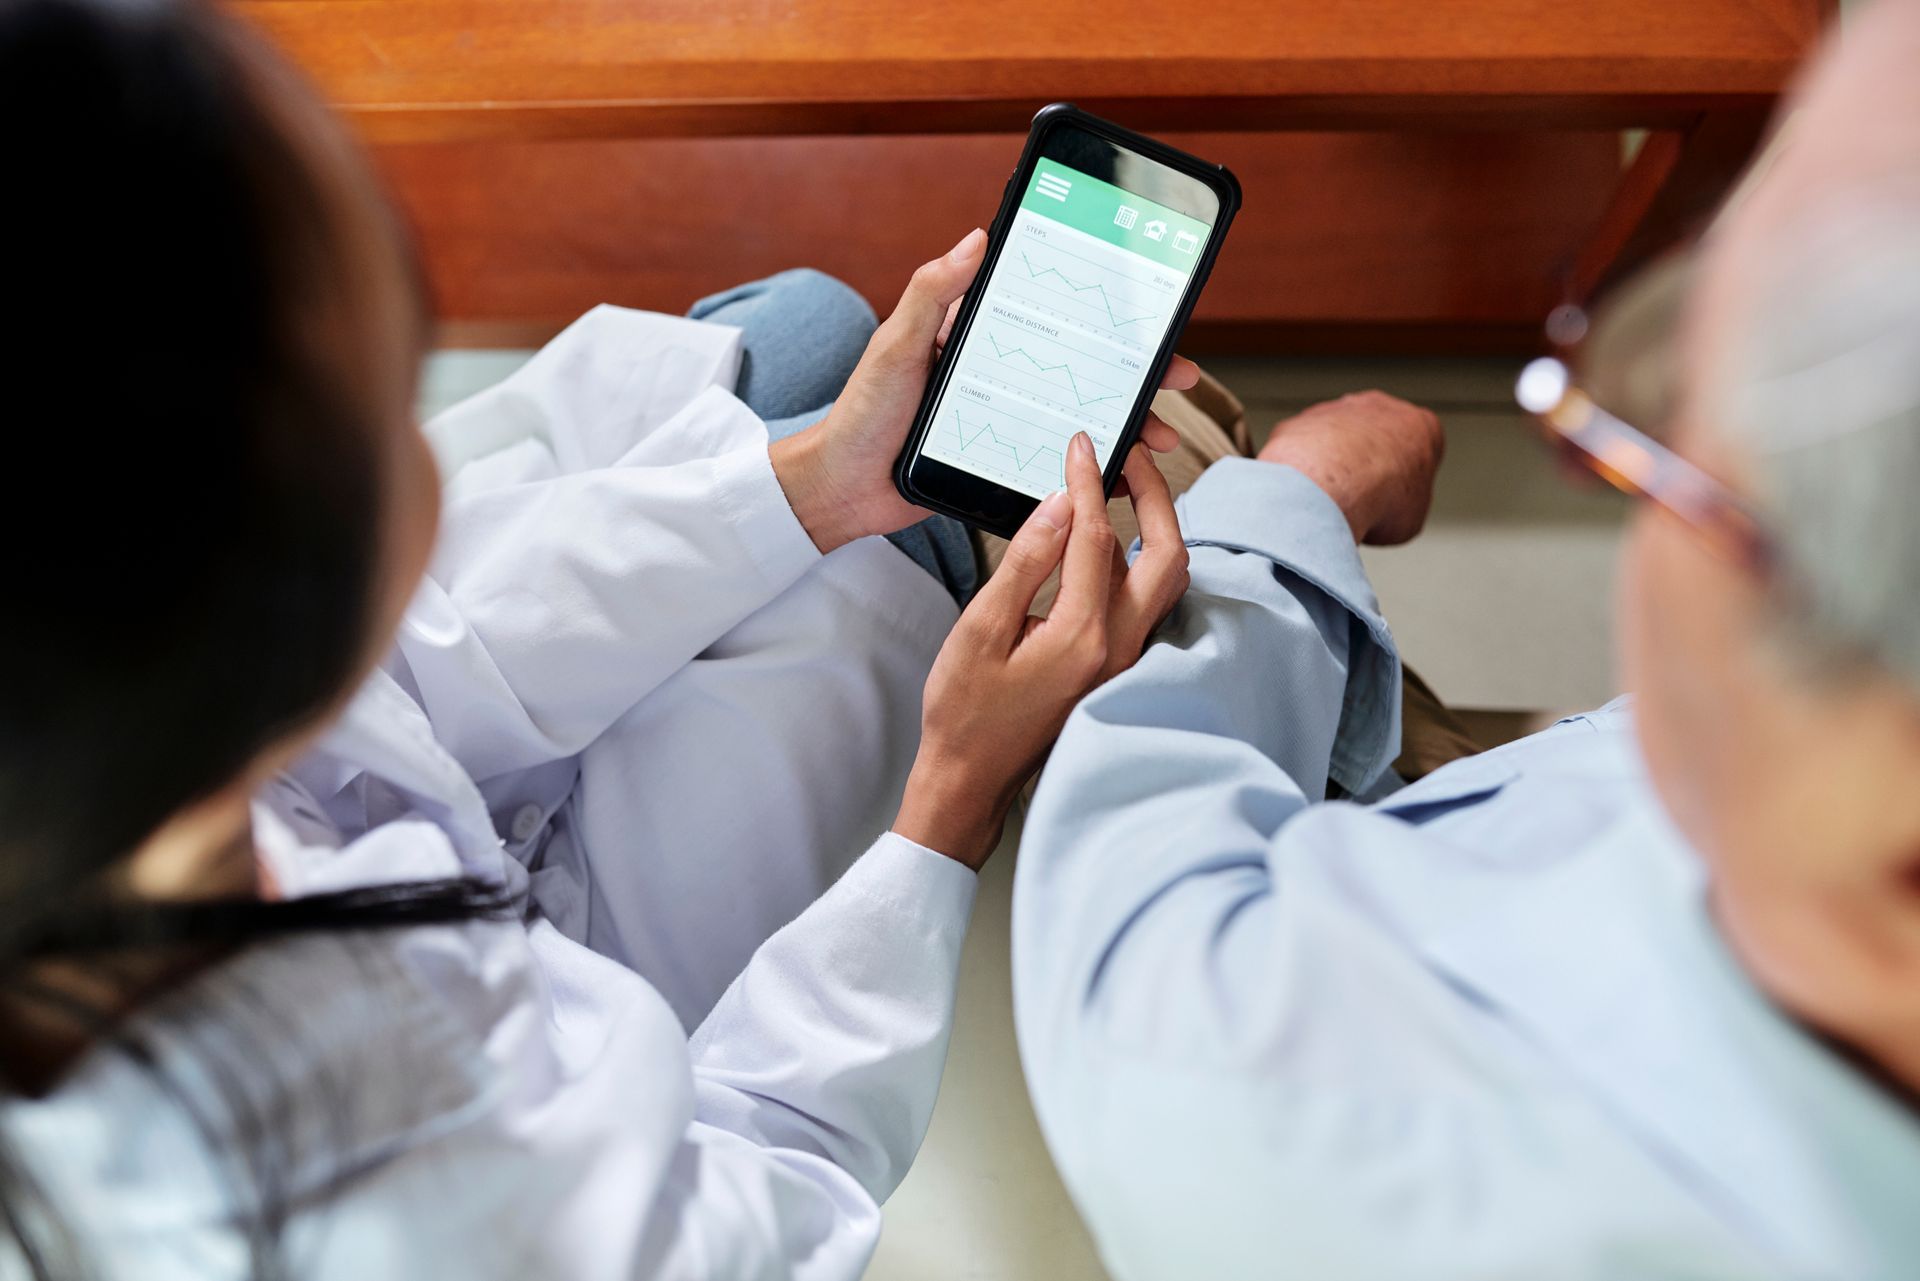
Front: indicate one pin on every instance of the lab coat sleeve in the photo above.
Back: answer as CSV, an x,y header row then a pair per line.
x,y
1150,836
815,1077
552,607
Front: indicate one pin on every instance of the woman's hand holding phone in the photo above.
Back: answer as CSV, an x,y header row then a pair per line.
x,y
1005,681
838,474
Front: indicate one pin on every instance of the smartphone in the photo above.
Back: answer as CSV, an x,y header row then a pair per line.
x,y
1101,245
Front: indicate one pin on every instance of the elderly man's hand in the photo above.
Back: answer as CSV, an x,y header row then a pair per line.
x,y
1374,454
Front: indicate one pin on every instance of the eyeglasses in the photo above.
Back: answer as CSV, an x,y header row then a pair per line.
x,y
1630,349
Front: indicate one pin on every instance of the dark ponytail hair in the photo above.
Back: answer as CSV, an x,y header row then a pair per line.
x,y
194,495
197,443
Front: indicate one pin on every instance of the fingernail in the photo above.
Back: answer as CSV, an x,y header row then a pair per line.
x,y
1083,443
964,250
1054,510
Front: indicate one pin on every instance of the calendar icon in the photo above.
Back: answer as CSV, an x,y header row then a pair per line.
x,y
1126,216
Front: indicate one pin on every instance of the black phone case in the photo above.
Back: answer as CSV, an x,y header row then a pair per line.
x,y
1050,117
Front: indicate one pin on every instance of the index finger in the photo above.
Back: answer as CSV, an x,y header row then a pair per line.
x,y
1158,576
1181,374
1152,501
1003,602
1086,577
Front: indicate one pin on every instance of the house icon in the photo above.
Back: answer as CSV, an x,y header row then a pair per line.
x,y
1155,230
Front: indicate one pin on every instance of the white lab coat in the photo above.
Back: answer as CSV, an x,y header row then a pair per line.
x,y
627,636
684,719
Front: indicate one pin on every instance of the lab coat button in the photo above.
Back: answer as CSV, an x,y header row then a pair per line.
x,y
526,821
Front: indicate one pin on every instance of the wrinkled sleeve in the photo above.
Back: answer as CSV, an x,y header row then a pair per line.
x,y
1143,887
554,605
561,1125
815,1077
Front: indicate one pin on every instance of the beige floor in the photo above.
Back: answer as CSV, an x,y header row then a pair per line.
x,y
1503,603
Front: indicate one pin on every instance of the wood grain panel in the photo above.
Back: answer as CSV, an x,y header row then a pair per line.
x,y
1413,234
436,69
557,153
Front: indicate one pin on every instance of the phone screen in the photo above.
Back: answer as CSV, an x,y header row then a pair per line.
x,y
1084,291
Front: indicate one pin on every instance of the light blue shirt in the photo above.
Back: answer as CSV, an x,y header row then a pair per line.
x,y
1482,1028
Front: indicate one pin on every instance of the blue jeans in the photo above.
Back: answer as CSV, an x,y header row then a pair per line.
x,y
804,332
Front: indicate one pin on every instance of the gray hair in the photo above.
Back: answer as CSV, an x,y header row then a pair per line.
x,y
1823,396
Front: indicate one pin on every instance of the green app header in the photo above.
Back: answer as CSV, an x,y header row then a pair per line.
x,y
1105,212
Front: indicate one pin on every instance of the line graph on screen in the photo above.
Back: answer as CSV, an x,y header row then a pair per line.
x,y
1009,445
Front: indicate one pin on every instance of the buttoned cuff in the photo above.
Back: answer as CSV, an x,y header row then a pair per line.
x,y
748,495
1244,506
920,884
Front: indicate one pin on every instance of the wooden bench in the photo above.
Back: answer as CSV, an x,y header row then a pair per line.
x,y
1418,175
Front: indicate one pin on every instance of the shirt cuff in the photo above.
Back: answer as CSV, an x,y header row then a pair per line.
x,y
1274,511
920,887
748,495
